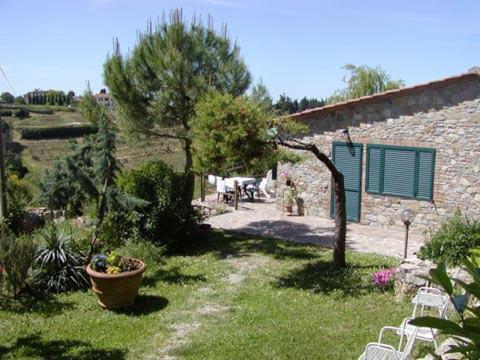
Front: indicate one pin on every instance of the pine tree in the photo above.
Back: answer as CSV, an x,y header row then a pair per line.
x,y
157,85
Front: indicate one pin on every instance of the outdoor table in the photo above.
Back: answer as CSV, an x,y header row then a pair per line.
x,y
242,182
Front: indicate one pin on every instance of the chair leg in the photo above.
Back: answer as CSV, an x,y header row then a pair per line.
x,y
266,194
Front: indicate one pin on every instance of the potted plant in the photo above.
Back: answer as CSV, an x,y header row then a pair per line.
x,y
115,279
289,197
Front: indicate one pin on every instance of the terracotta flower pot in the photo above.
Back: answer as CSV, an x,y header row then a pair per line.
x,y
115,291
289,208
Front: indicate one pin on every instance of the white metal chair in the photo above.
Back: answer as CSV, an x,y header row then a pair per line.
x,y
267,184
212,179
382,351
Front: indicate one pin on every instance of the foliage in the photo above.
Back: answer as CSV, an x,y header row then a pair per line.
x,y
48,97
452,241
364,80
466,331
56,132
383,279
16,257
91,109
230,136
290,195
19,195
22,113
70,183
60,268
285,105
6,112
171,68
112,263
162,216
261,96
147,252
7,98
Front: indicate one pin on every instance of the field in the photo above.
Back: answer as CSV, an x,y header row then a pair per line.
x,y
231,297
39,154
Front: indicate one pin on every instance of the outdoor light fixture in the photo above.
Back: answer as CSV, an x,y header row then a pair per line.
x,y
407,218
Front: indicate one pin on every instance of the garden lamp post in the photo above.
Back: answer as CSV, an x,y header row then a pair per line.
x,y
407,218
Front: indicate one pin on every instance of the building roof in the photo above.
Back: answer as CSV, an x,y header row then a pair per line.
x,y
471,75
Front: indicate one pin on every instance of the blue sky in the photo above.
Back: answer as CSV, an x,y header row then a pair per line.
x,y
297,47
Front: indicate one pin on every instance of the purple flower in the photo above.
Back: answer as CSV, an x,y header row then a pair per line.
x,y
383,278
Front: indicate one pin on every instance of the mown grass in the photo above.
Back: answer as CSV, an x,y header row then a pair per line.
x,y
286,303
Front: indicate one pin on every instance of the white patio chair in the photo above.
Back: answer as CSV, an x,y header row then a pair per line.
x,y
267,184
222,189
427,300
382,351
212,179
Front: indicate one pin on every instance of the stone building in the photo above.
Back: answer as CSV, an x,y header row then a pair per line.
x,y
417,147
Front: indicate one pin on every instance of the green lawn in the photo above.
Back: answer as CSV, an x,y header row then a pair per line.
x,y
233,297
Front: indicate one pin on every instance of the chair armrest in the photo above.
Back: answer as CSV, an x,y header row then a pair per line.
x,y
400,331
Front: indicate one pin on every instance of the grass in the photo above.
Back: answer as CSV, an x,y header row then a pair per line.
x,y
232,296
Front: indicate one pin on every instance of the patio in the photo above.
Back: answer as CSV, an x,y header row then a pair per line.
x,y
263,218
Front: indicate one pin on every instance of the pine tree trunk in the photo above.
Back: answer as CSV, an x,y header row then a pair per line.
x,y
190,176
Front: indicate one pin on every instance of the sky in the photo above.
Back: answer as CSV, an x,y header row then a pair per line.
x,y
296,47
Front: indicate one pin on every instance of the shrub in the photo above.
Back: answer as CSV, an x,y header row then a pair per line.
x,y
18,195
22,113
142,250
452,241
6,113
60,268
56,132
165,217
16,257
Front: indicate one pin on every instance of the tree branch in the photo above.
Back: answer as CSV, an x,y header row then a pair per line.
x,y
313,149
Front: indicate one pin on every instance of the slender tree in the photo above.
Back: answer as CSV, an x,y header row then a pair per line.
x,y
235,132
172,66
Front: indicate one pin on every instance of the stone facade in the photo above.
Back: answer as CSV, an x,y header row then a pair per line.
x,y
444,116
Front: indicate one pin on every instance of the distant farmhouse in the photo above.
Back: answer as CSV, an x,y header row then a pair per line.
x,y
416,147
104,99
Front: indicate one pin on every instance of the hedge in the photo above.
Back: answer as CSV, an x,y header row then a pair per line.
x,y
50,132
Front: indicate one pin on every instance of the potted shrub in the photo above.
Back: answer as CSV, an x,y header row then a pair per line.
x,y
115,279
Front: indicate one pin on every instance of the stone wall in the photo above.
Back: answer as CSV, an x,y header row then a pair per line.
x,y
444,118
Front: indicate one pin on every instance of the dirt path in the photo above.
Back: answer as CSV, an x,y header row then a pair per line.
x,y
210,303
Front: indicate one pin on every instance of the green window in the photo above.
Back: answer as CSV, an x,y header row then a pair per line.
x,y
400,171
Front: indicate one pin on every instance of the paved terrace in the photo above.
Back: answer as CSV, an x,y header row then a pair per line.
x,y
262,218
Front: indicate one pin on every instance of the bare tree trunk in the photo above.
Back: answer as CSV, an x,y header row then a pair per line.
x,y
338,196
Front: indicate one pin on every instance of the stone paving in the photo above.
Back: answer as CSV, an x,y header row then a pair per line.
x,y
263,218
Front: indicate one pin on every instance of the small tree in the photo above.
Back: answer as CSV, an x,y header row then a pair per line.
x,y
7,98
235,133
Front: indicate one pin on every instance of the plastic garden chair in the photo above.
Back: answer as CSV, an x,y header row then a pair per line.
x,y
382,351
427,300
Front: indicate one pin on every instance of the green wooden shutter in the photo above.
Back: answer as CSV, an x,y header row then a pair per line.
x,y
426,160
348,160
374,169
399,172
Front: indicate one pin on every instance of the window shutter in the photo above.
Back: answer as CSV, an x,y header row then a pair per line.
x,y
374,164
425,174
399,172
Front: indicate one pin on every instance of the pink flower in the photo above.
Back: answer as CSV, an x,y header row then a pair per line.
x,y
383,278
